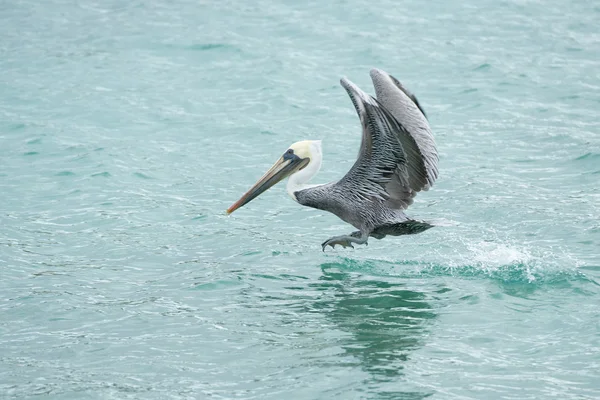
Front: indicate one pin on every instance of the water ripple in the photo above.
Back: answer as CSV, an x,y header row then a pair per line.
x,y
128,128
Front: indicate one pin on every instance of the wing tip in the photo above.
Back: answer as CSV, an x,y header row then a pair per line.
x,y
376,72
356,93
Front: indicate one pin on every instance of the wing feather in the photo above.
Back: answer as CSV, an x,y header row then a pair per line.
x,y
381,170
416,138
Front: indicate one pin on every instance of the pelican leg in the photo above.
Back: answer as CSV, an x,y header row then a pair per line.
x,y
357,237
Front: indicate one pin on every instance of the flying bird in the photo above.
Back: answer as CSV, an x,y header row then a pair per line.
x,y
397,159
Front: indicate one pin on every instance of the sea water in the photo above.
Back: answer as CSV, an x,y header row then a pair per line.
x,y
128,127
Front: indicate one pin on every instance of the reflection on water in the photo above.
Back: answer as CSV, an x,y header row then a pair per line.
x,y
387,322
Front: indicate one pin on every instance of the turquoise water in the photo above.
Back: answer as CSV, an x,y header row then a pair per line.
x,y
127,129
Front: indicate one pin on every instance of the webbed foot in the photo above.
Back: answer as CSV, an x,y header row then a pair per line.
x,y
341,240
346,240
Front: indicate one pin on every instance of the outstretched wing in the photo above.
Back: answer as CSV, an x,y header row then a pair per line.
x,y
383,169
418,143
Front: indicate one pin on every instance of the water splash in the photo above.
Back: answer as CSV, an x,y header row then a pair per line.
x,y
498,260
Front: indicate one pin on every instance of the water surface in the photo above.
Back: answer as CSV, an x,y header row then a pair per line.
x,y
127,129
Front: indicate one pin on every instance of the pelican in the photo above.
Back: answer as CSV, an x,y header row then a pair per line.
x,y
397,159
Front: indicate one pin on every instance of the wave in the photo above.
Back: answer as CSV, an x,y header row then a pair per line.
x,y
508,263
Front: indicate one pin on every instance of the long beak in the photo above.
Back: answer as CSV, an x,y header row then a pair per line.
x,y
281,169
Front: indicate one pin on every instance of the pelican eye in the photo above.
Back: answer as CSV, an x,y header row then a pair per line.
x,y
289,154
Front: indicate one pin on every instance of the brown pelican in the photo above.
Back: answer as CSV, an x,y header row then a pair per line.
x,y
397,159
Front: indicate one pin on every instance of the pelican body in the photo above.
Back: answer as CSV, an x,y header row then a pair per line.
x,y
397,159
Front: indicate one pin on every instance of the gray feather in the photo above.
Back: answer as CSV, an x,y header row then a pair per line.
x,y
417,139
397,159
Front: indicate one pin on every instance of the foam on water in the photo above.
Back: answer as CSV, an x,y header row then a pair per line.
x,y
499,260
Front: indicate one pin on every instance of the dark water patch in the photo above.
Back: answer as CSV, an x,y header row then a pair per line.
x,y
470,298
524,160
482,67
212,47
294,277
79,156
16,127
570,97
142,176
102,174
42,273
280,277
204,47
251,253
75,147
266,276
217,285
588,156
31,153
587,242
65,173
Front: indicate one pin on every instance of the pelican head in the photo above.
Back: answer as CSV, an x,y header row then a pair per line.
x,y
294,161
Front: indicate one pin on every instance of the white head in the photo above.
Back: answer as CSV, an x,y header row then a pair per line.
x,y
301,161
